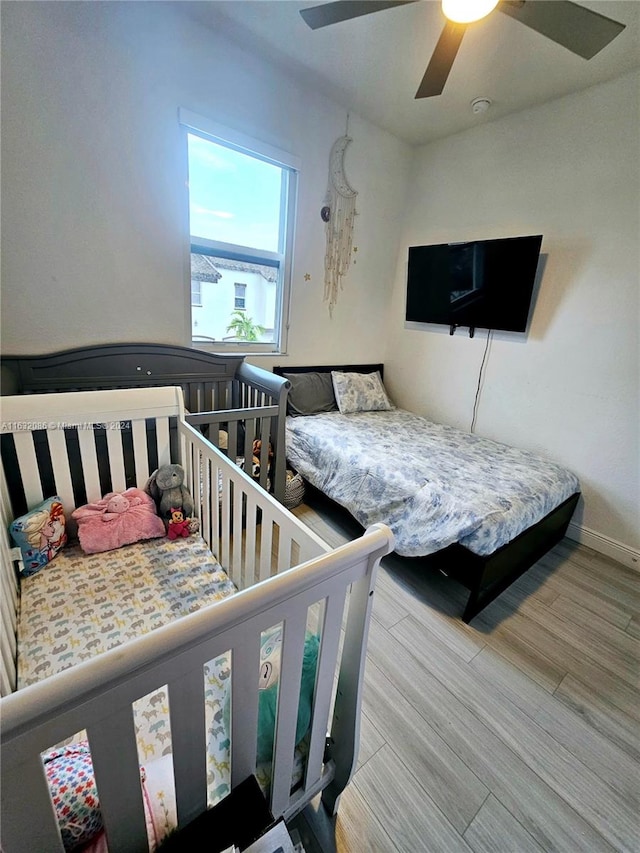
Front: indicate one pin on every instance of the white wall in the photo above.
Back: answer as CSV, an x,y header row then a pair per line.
x,y
94,227
569,388
94,237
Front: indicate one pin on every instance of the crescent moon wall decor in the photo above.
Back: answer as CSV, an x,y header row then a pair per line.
x,y
338,212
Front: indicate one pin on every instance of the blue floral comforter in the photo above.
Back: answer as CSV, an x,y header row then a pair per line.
x,y
432,484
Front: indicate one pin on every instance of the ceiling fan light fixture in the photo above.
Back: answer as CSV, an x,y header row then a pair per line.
x,y
467,11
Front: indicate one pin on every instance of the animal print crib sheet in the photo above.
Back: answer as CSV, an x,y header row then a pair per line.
x,y
81,605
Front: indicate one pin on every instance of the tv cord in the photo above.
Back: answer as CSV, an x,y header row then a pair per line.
x,y
480,375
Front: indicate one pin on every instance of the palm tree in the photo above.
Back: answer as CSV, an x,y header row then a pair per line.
x,y
244,328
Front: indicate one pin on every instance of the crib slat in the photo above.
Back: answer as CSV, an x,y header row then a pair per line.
x,y
60,465
205,521
288,698
162,437
187,709
207,399
217,521
345,730
248,578
216,509
9,601
8,672
237,530
8,606
28,463
141,458
115,762
249,435
328,653
8,598
191,397
25,793
198,474
188,463
9,580
263,429
116,460
225,532
87,444
232,444
266,540
283,558
245,661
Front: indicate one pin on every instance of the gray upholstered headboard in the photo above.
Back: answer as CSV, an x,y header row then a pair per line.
x,y
282,369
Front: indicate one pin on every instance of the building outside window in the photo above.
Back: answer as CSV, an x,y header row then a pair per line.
x,y
241,212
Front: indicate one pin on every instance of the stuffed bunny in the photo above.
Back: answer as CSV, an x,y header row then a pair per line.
x,y
166,487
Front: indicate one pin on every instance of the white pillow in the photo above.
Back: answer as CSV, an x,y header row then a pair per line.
x,y
360,392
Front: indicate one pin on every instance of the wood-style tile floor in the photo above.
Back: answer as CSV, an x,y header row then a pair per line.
x,y
518,733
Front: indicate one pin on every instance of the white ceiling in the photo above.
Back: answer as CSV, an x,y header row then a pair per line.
x,y
373,65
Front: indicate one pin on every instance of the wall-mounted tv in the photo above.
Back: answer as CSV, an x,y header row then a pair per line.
x,y
482,284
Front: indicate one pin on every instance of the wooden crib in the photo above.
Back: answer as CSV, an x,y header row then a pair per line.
x,y
285,573
220,391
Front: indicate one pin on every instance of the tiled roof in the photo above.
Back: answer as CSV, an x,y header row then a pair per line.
x,y
207,268
203,268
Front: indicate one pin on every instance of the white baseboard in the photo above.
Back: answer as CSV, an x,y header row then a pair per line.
x,y
605,545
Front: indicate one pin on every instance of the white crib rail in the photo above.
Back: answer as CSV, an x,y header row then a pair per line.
x,y
113,412
244,527
37,426
251,533
9,593
96,695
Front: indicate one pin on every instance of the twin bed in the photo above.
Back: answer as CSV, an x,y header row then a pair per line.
x,y
142,684
480,511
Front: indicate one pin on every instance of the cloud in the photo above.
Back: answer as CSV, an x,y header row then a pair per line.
x,y
205,211
208,154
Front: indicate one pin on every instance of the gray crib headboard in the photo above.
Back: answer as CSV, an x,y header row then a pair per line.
x,y
200,374
211,382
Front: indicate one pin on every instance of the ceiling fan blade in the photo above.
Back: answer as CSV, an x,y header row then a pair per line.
x,y
578,29
344,10
440,64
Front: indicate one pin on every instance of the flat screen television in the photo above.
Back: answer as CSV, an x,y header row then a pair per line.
x,y
482,284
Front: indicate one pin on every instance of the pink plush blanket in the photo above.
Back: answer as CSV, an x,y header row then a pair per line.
x,y
120,518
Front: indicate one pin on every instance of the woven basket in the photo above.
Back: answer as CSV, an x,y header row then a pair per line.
x,y
294,490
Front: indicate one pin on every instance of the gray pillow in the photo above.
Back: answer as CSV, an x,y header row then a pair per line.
x,y
310,393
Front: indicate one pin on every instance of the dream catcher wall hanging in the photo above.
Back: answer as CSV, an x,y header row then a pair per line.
x,y
338,212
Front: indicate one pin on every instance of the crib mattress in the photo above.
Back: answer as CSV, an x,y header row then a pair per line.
x,y
83,604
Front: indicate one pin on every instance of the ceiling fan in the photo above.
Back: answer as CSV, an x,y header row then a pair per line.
x,y
573,26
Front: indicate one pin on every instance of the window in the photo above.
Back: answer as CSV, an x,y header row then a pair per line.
x,y
241,213
196,292
240,297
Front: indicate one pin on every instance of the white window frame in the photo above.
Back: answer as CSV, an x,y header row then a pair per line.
x,y
197,292
282,259
236,296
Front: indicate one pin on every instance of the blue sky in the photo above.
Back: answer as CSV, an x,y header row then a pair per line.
x,y
233,197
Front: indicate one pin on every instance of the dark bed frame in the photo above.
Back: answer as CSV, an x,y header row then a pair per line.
x,y
219,391
484,577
